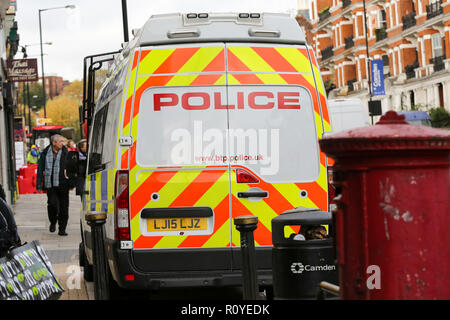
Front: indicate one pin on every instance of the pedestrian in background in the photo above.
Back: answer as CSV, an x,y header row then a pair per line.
x,y
33,155
71,146
82,164
51,177
9,237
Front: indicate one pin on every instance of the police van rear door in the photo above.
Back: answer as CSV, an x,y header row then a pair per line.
x,y
179,178
275,123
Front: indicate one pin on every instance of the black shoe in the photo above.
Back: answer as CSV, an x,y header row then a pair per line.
x,y
52,227
62,233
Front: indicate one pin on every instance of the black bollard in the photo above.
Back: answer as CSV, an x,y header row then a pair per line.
x,y
246,225
101,287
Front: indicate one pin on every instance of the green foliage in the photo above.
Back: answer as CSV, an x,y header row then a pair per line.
x,y
440,117
419,107
35,90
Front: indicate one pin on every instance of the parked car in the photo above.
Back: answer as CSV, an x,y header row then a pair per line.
x,y
420,118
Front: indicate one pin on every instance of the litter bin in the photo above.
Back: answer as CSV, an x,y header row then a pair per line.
x,y
300,263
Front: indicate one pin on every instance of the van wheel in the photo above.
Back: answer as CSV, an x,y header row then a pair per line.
x,y
88,269
115,292
88,273
101,277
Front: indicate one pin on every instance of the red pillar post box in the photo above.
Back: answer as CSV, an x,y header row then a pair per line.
x,y
393,213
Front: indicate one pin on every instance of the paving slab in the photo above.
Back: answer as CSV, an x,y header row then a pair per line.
x,y
32,223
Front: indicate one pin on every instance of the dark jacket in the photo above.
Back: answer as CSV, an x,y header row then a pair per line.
x,y
81,174
40,180
8,229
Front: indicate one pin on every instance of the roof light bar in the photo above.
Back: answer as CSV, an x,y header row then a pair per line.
x,y
245,15
183,33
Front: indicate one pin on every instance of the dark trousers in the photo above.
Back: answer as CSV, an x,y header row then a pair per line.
x,y
58,206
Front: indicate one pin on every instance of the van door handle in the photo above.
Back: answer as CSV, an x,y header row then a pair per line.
x,y
253,194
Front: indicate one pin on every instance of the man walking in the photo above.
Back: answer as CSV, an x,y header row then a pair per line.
x,y
51,177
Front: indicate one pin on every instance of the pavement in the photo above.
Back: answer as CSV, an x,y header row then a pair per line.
x,y
32,222
30,212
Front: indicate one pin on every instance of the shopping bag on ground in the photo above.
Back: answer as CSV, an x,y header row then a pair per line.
x,y
27,274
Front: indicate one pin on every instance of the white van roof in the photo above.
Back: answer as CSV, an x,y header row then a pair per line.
x,y
213,27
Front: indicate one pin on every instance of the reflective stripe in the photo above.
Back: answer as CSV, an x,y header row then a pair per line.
x,y
104,190
92,191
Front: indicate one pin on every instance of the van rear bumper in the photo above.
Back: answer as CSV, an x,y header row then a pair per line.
x,y
123,262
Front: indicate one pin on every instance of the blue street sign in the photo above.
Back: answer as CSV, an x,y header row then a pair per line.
x,y
377,78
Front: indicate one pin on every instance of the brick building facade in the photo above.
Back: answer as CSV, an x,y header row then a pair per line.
x,y
412,37
54,85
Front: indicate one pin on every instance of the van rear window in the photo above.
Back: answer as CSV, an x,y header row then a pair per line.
x,y
269,129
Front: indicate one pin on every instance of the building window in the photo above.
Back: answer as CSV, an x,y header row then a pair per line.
x,y
419,6
391,20
422,51
441,95
396,14
394,63
382,19
437,45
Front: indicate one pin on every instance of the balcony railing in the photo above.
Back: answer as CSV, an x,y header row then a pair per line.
x,y
434,9
350,85
349,42
438,63
324,14
409,70
327,53
380,34
346,3
409,20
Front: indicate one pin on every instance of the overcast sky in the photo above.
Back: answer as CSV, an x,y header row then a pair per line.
x,y
95,26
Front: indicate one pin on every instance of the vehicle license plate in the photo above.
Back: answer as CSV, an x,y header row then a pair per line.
x,y
176,224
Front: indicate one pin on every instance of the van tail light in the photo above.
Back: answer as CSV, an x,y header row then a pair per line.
x,y
243,176
122,206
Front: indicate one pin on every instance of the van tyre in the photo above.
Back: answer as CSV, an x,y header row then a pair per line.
x,y
100,263
88,273
88,269
115,292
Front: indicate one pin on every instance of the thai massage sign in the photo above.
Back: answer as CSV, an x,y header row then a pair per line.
x,y
21,70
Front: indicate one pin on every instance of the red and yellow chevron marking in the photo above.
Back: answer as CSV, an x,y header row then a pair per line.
x,y
165,67
203,187
209,186
282,197
278,66
270,65
321,89
125,108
